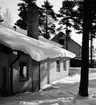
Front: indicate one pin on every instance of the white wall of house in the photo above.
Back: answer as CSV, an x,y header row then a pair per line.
x,y
56,75
49,73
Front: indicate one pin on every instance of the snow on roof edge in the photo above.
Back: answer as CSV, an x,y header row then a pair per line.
x,y
41,48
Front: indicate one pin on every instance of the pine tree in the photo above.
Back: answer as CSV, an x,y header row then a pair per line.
x,y
47,19
72,11
66,19
82,17
71,15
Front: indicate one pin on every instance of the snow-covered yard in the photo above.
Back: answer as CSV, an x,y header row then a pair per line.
x,y
61,92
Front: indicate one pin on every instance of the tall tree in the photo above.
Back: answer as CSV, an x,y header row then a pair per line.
x,y
47,19
71,14
75,17
84,22
87,24
66,14
7,16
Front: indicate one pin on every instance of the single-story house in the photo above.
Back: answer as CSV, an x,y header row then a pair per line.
x,y
27,64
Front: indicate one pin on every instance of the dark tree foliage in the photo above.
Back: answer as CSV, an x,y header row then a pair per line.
x,y
23,6
46,17
67,15
71,14
72,11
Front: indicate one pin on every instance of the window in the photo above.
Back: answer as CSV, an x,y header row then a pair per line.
x,y
23,71
64,65
58,65
61,41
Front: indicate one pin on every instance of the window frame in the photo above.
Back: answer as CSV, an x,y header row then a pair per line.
x,y
58,66
64,65
22,64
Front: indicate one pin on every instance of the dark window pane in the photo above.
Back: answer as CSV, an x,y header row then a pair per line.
x,y
61,41
23,71
58,66
64,65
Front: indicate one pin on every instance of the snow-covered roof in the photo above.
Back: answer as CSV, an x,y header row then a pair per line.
x,y
38,50
24,32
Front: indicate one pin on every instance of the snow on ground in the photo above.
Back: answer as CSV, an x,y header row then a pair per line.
x,y
61,92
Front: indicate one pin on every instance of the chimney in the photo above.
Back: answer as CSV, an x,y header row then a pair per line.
x,y
32,21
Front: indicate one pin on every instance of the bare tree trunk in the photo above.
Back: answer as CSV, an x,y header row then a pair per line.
x,y
83,88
